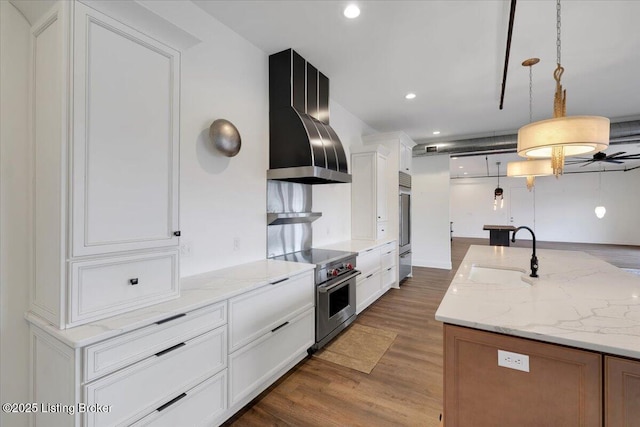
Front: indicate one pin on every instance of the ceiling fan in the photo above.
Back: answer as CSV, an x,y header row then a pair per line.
x,y
618,158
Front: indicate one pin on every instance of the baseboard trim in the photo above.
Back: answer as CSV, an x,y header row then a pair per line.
x,y
432,264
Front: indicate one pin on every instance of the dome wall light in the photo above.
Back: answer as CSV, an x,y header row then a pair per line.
x,y
352,11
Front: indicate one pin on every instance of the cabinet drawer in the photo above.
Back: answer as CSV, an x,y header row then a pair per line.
x,y
388,258
103,288
382,230
137,390
113,354
198,407
255,363
367,291
256,313
368,262
388,277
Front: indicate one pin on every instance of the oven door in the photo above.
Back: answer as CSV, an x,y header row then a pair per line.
x,y
336,303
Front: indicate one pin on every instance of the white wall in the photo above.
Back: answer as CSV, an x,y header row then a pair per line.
x,y
431,244
559,210
15,225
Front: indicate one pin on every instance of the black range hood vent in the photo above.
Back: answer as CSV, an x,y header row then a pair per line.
x,y
303,147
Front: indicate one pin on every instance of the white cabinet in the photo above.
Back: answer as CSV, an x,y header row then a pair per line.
x,y
388,266
369,193
405,157
105,131
378,265
270,330
138,375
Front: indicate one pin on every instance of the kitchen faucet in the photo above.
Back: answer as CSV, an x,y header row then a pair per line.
x,y
534,258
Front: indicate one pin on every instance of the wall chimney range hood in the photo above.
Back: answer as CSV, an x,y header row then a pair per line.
x,y
303,148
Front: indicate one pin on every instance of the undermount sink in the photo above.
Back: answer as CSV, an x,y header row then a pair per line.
x,y
499,275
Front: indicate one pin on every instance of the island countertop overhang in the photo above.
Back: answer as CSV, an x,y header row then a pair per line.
x,y
578,300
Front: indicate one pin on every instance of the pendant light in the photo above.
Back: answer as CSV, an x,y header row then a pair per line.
x,y
498,192
562,136
600,210
529,168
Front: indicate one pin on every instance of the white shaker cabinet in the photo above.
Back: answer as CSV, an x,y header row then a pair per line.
x,y
105,132
369,192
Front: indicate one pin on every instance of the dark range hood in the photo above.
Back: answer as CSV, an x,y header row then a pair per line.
x,y
303,148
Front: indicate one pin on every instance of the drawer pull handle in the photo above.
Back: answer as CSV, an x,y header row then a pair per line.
x,y
279,281
169,319
171,402
369,276
175,347
281,326
176,233
389,252
389,269
369,250
133,281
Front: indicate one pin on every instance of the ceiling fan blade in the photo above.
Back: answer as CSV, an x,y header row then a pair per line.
x,y
615,154
614,161
629,157
588,163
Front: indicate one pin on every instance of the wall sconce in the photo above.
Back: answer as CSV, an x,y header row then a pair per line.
x,y
225,137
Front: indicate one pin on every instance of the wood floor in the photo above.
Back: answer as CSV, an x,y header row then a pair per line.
x,y
405,388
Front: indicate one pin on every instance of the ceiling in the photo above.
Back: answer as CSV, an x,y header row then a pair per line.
x,y
451,54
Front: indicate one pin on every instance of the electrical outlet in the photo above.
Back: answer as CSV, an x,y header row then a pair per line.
x,y
513,360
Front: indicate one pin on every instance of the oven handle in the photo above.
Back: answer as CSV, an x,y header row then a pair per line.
x,y
325,288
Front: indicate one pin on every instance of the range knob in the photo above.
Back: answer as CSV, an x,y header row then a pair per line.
x,y
333,272
349,266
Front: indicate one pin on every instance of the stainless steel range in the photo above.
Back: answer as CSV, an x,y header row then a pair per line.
x,y
335,277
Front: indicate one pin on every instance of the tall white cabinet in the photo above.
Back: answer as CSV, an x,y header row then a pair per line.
x,y
369,195
105,131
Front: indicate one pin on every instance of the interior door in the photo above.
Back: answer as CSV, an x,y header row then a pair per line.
x,y
522,209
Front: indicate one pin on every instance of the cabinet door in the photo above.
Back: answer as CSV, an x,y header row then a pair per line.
x,y
405,158
561,386
125,138
363,198
381,187
622,392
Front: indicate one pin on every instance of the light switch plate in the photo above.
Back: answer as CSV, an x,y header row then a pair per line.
x,y
511,360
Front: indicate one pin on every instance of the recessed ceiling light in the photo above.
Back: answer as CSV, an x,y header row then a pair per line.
x,y
454,158
410,95
352,11
436,132
460,167
465,173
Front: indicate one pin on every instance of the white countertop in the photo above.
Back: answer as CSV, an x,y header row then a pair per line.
x,y
357,245
196,291
578,300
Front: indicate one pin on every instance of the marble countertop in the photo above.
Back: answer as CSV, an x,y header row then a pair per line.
x,y
357,245
196,291
578,300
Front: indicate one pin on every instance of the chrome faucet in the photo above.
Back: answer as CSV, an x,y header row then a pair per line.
x,y
534,258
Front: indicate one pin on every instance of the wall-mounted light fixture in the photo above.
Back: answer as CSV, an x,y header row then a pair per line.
x,y
225,137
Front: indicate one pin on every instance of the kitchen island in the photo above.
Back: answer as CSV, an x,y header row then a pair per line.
x,y
571,337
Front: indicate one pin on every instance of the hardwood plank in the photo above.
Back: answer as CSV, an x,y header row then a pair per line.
x,y
406,387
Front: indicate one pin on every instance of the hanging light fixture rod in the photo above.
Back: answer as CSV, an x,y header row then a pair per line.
x,y
512,16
